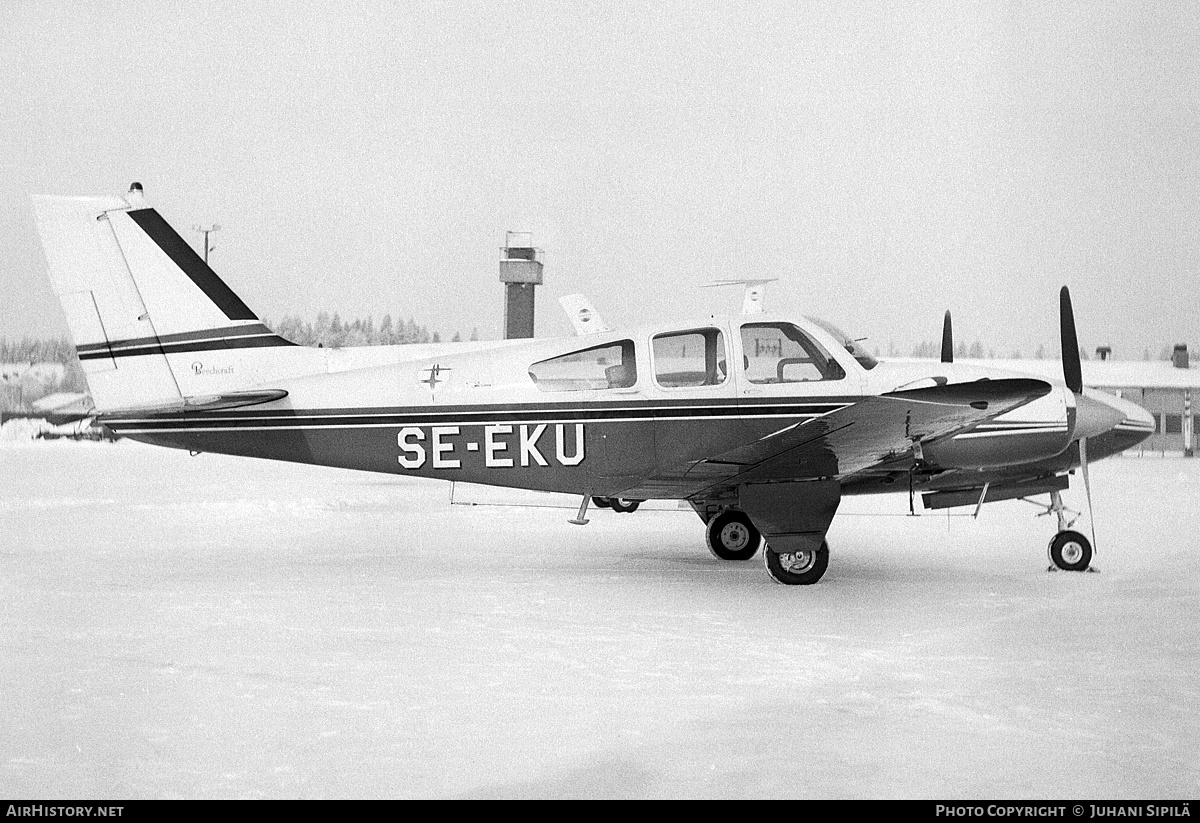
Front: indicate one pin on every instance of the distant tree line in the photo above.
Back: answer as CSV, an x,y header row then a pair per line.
x,y
932,350
331,331
18,393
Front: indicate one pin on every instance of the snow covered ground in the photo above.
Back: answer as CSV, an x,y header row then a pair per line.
x,y
175,626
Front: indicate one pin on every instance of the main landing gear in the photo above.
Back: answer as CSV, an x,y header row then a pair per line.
x,y
732,536
1069,550
797,568
617,504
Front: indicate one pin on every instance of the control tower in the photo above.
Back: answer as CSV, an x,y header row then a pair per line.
x,y
520,272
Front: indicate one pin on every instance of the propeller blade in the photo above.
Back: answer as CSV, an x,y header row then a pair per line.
x,y
1072,371
947,339
1087,488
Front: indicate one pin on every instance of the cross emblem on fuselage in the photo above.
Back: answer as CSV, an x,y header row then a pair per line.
x,y
432,380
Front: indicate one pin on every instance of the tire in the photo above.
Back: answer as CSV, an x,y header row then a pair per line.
x,y
1071,551
731,536
797,568
619,504
601,502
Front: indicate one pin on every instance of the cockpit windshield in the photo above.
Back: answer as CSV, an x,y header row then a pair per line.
x,y
857,350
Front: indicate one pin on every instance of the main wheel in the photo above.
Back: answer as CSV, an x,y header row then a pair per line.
x,y
601,502
1070,551
797,568
731,536
620,504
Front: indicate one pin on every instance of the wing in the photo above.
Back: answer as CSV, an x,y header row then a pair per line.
x,y
866,433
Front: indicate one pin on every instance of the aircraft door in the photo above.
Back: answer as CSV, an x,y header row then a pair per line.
x,y
695,395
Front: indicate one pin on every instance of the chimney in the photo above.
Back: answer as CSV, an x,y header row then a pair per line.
x,y
1179,357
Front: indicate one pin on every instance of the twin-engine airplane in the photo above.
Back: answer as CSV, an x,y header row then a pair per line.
x,y
761,422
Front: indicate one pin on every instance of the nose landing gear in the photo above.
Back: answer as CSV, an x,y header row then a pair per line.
x,y
1069,550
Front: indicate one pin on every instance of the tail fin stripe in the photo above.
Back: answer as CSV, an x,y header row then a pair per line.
x,y
179,348
228,332
190,263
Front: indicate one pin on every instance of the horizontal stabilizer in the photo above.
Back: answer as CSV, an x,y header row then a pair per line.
x,y
200,404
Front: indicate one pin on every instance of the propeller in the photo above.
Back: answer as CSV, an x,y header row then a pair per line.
x,y
1073,375
947,339
1072,371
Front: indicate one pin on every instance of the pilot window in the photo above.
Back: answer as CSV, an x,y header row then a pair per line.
x,y
781,353
690,358
610,366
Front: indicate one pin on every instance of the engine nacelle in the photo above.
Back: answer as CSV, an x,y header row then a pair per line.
x,y
1036,431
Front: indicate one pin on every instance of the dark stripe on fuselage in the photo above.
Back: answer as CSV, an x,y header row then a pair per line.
x,y
465,415
190,263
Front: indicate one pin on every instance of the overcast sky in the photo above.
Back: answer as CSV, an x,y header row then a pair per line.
x,y
885,161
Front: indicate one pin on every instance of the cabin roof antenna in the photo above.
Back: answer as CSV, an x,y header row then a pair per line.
x,y
752,297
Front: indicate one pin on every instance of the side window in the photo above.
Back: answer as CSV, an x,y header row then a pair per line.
x,y
782,353
690,358
610,366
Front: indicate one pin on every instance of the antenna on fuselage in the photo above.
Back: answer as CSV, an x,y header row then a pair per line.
x,y
752,297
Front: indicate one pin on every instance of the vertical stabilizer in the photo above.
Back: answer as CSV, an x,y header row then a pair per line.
x,y
101,300
139,301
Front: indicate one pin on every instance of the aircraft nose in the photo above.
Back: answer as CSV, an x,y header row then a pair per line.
x,y
1095,414
1100,412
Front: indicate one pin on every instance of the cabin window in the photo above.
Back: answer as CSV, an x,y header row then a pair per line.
x,y
690,358
782,353
854,347
610,366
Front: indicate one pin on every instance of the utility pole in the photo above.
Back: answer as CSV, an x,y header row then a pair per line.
x,y
206,233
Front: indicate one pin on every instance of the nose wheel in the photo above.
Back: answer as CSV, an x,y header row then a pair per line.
x,y
1070,551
